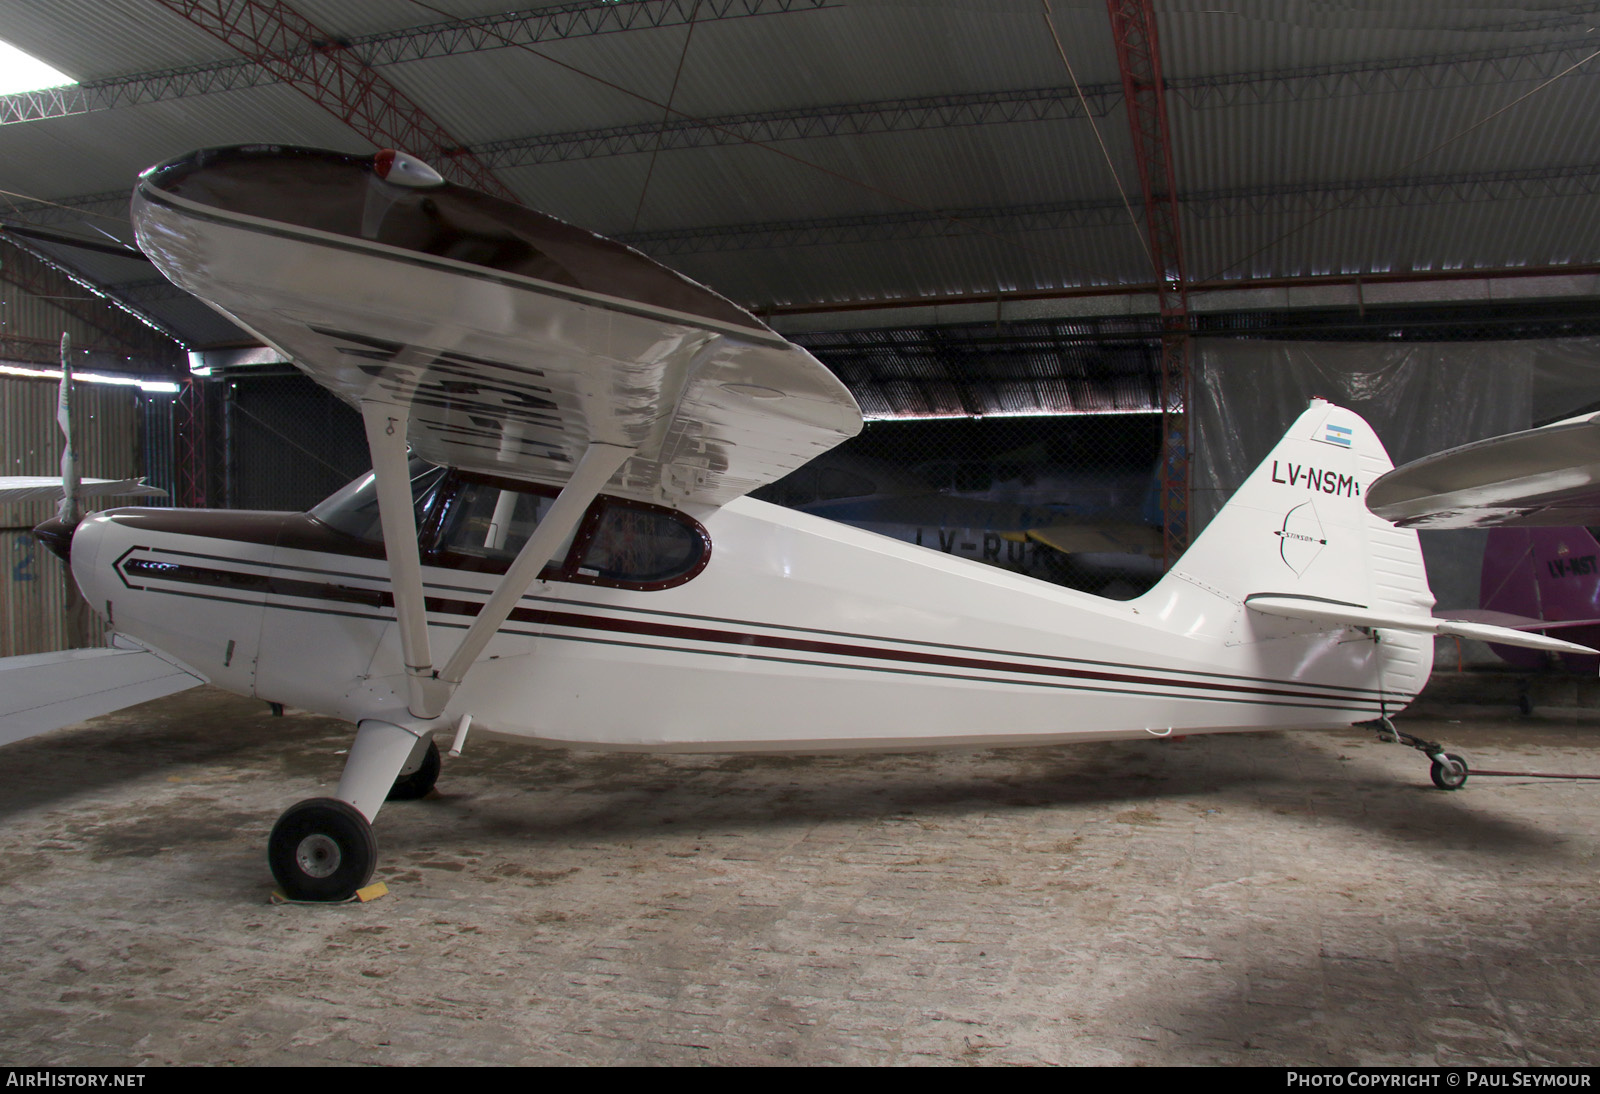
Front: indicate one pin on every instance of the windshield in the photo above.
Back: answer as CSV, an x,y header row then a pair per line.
x,y
354,509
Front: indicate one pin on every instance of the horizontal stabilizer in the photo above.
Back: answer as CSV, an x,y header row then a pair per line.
x,y
20,488
1338,613
1516,622
44,691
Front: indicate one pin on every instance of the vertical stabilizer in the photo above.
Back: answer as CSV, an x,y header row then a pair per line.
x,y
1299,526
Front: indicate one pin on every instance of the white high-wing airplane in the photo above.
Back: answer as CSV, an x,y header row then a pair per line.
x,y
570,557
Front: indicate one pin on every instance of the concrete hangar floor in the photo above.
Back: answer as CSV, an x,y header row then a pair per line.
x,y
1275,899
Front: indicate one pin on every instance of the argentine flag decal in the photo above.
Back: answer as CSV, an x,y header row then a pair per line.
x,y
1340,435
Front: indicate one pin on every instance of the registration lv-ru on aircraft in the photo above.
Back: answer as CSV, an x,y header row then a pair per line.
x,y
555,542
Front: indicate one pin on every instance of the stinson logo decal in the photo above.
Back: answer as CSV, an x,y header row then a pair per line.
x,y
1301,539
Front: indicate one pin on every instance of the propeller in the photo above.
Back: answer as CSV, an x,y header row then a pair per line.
x,y
56,533
69,513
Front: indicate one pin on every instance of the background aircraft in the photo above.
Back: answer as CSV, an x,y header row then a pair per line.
x,y
1543,579
1071,529
1537,490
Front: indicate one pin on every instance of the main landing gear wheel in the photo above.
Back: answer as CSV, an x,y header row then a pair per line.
x,y
322,849
410,787
1449,771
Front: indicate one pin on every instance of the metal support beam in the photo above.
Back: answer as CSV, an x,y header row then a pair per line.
x,y
1564,180
321,67
1133,27
386,425
191,452
842,120
559,22
129,334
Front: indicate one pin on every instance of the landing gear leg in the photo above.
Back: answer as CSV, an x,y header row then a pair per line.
x,y
323,848
1448,770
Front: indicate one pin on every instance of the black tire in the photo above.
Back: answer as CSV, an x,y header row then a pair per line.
x,y
1449,780
410,787
322,849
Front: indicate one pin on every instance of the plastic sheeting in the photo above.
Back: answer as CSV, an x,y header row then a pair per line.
x,y
1420,397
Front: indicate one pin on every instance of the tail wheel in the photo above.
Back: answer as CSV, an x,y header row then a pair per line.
x,y
1449,771
410,787
322,849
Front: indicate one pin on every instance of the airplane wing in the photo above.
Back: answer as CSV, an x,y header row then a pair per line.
x,y
44,691
1337,613
1111,539
19,488
1540,477
516,341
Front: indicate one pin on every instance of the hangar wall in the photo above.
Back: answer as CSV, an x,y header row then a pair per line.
x,y
34,593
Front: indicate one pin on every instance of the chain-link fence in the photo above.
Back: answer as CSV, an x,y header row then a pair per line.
x,y
254,441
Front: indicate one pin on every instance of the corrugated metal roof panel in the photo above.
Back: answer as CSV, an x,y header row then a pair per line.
x,y
1314,126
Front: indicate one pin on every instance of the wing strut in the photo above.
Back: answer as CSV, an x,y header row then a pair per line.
x,y
594,470
386,440
428,692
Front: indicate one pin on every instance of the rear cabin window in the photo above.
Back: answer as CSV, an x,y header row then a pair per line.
x,y
643,546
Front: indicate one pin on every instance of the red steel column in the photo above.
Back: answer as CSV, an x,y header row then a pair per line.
x,y
190,451
1133,26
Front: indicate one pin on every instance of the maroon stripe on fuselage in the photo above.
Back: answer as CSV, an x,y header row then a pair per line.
x,y
191,574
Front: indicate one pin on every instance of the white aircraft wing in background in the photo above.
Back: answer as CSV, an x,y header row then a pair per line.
x,y
1547,477
20,488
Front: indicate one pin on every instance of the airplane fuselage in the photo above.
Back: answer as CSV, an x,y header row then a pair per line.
x,y
795,633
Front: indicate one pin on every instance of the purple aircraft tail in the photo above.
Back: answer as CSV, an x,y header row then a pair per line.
x,y
1545,573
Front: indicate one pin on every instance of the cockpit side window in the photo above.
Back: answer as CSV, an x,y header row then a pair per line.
x,y
476,522
481,523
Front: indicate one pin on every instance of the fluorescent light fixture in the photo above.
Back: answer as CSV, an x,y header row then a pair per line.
x,y
162,386
20,72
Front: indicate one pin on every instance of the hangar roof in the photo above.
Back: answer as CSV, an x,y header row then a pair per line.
x,y
798,155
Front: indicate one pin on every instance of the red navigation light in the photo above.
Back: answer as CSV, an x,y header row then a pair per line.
x,y
403,170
